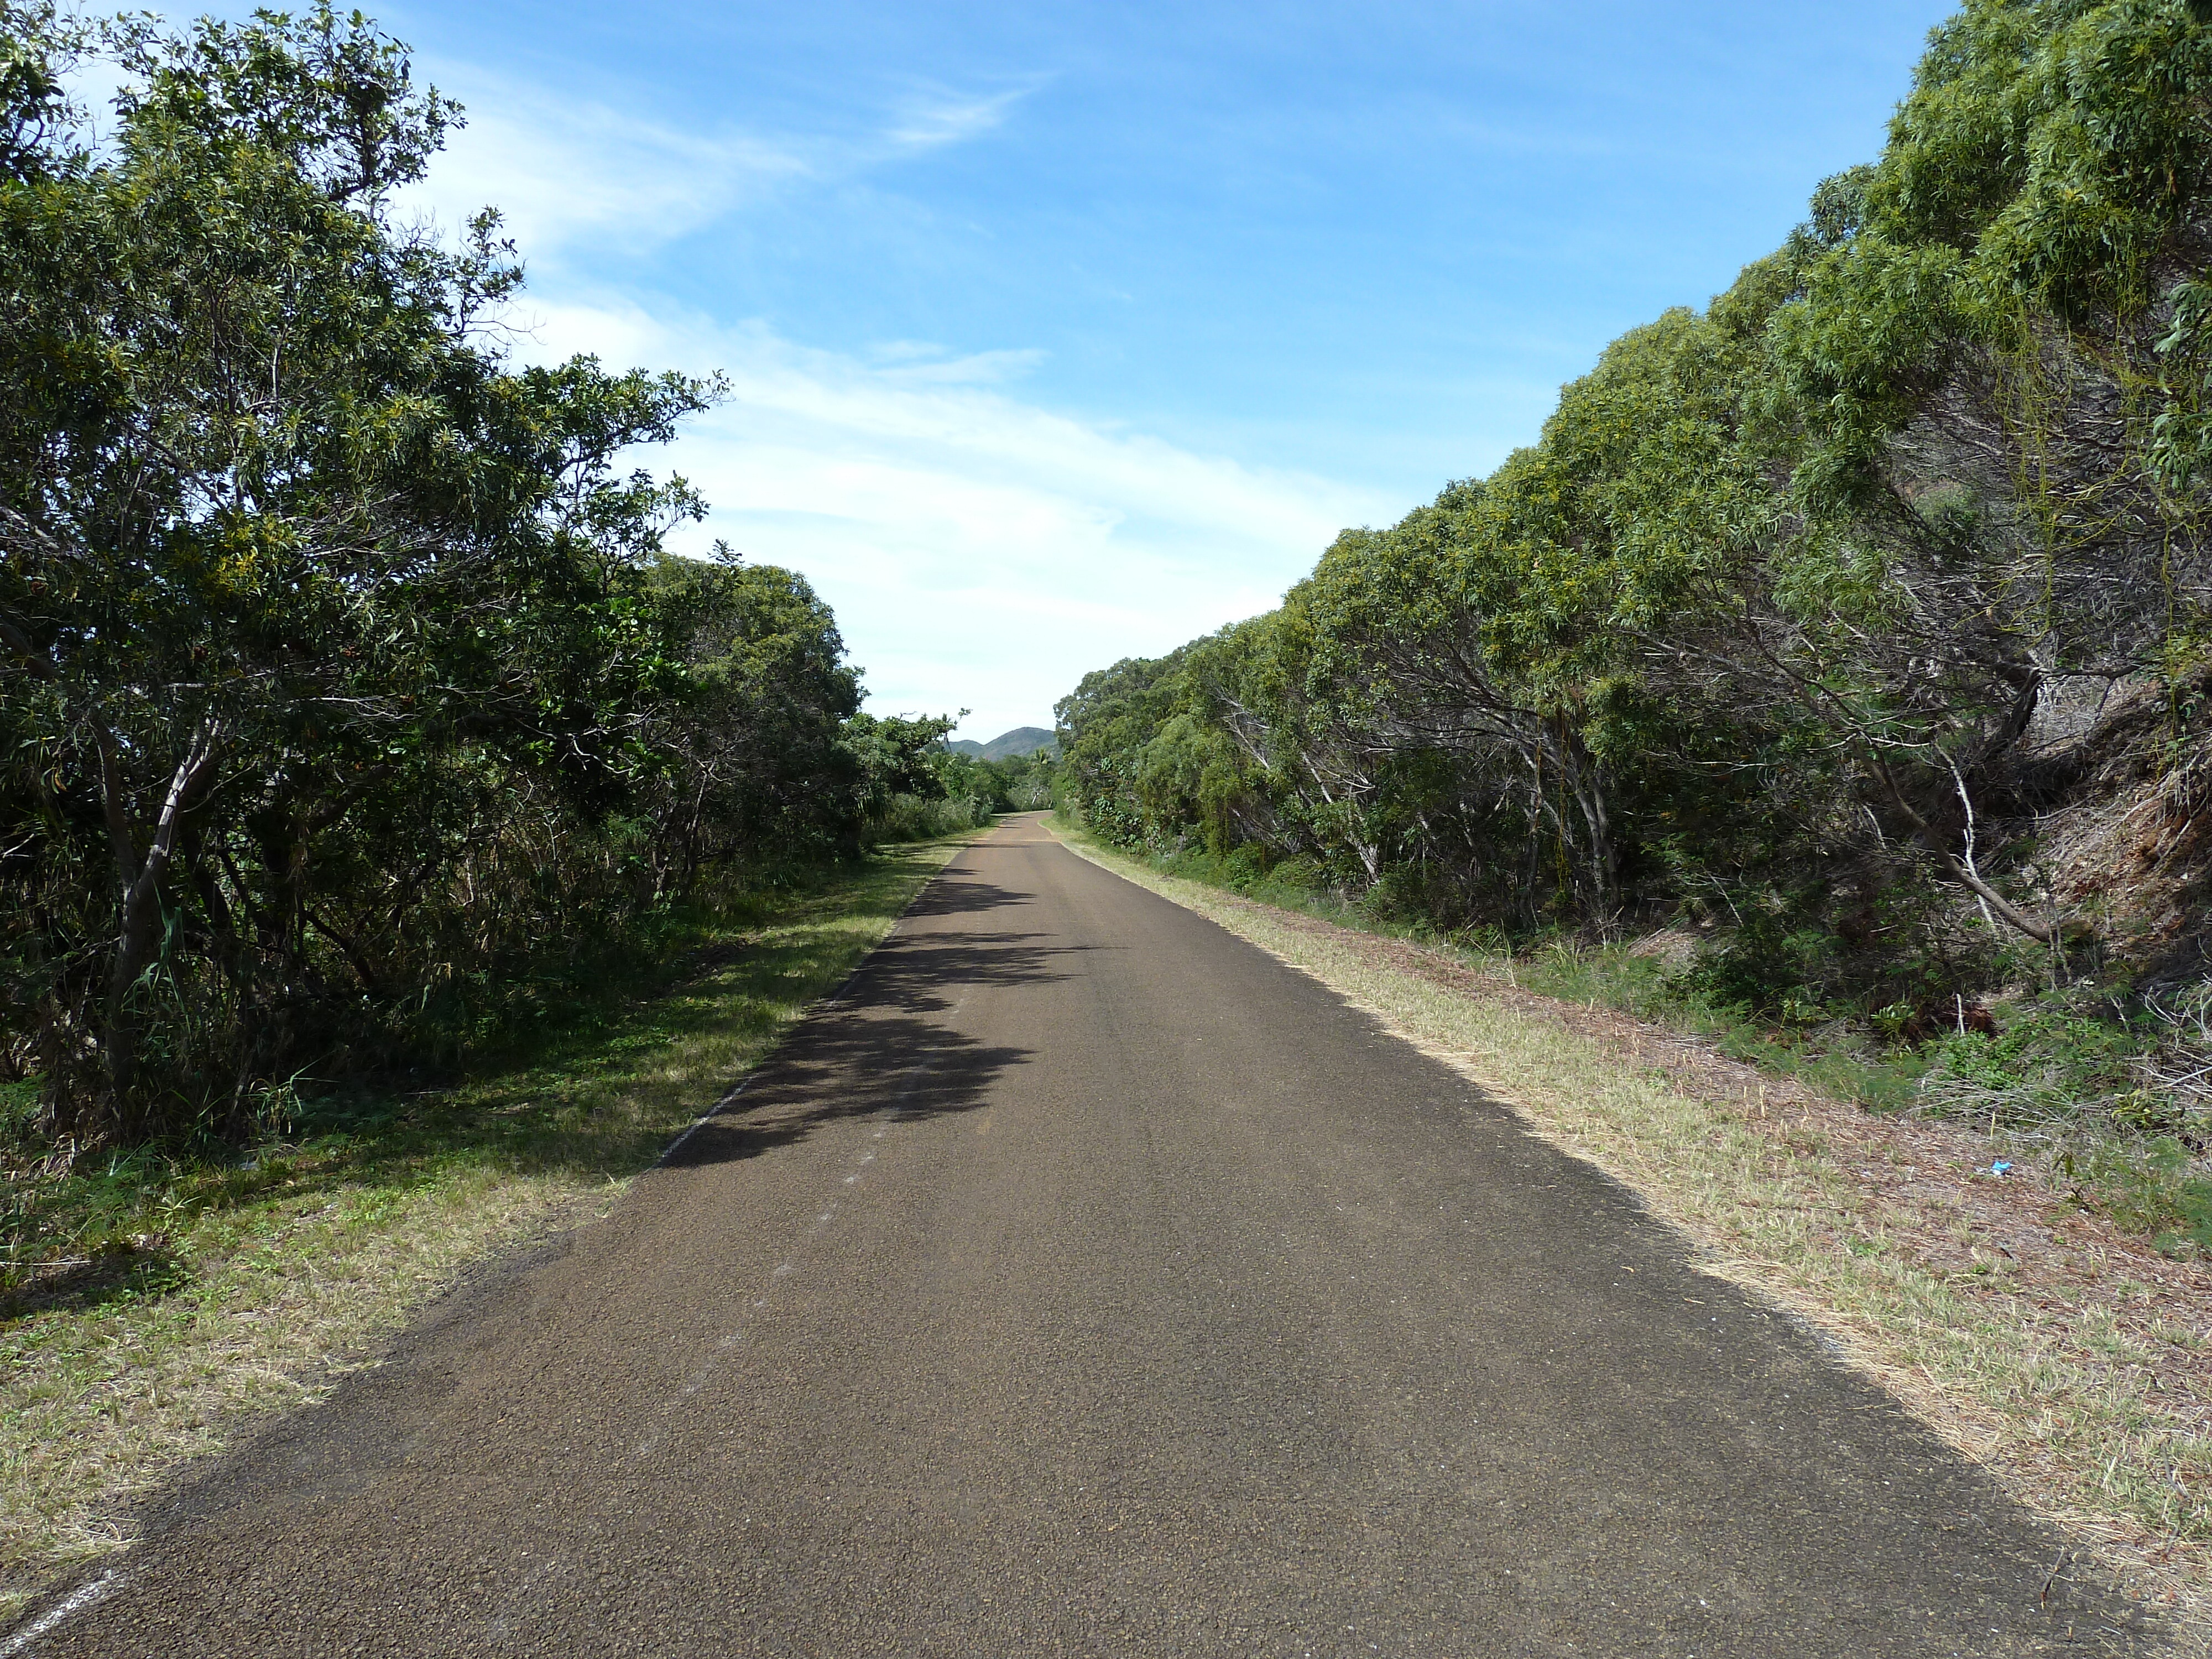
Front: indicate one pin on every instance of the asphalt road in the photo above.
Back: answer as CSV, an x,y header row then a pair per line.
x,y
1084,1281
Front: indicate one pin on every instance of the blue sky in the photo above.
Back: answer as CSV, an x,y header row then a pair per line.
x,y
1058,334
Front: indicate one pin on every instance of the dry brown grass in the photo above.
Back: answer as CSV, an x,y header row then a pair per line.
x,y
2072,1360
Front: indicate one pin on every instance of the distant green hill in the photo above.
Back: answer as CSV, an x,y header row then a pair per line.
x,y
1008,745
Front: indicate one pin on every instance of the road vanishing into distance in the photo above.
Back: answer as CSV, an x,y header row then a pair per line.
x,y
1083,1280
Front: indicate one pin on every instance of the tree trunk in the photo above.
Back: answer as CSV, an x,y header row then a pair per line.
x,y
139,877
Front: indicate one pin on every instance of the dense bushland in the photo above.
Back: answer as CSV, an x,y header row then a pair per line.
x,y
1856,623
346,683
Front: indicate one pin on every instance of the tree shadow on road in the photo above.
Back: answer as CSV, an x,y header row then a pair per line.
x,y
880,1051
956,892
925,972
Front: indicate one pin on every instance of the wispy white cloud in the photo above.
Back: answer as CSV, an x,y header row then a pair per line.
x,y
925,360
980,550
564,172
949,119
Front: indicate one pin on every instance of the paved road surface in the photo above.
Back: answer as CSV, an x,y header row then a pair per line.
x,y
1086,1282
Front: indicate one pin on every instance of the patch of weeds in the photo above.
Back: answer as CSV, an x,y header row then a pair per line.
x,y
1603,976
1291,884
2154,1186
137,1269
2113,1088
19,1110
2047,1065
1770,965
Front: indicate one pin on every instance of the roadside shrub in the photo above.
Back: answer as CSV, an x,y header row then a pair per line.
x,y
1774,961
918,817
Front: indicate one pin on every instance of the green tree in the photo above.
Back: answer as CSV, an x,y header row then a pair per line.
x,y
344,670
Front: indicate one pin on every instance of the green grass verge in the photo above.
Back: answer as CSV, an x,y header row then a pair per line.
x,y
159,1301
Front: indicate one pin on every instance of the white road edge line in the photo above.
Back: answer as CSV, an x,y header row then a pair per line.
x,y
676,1145
97,1590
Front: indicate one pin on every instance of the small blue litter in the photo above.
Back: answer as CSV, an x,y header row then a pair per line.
x,y
2000,1168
